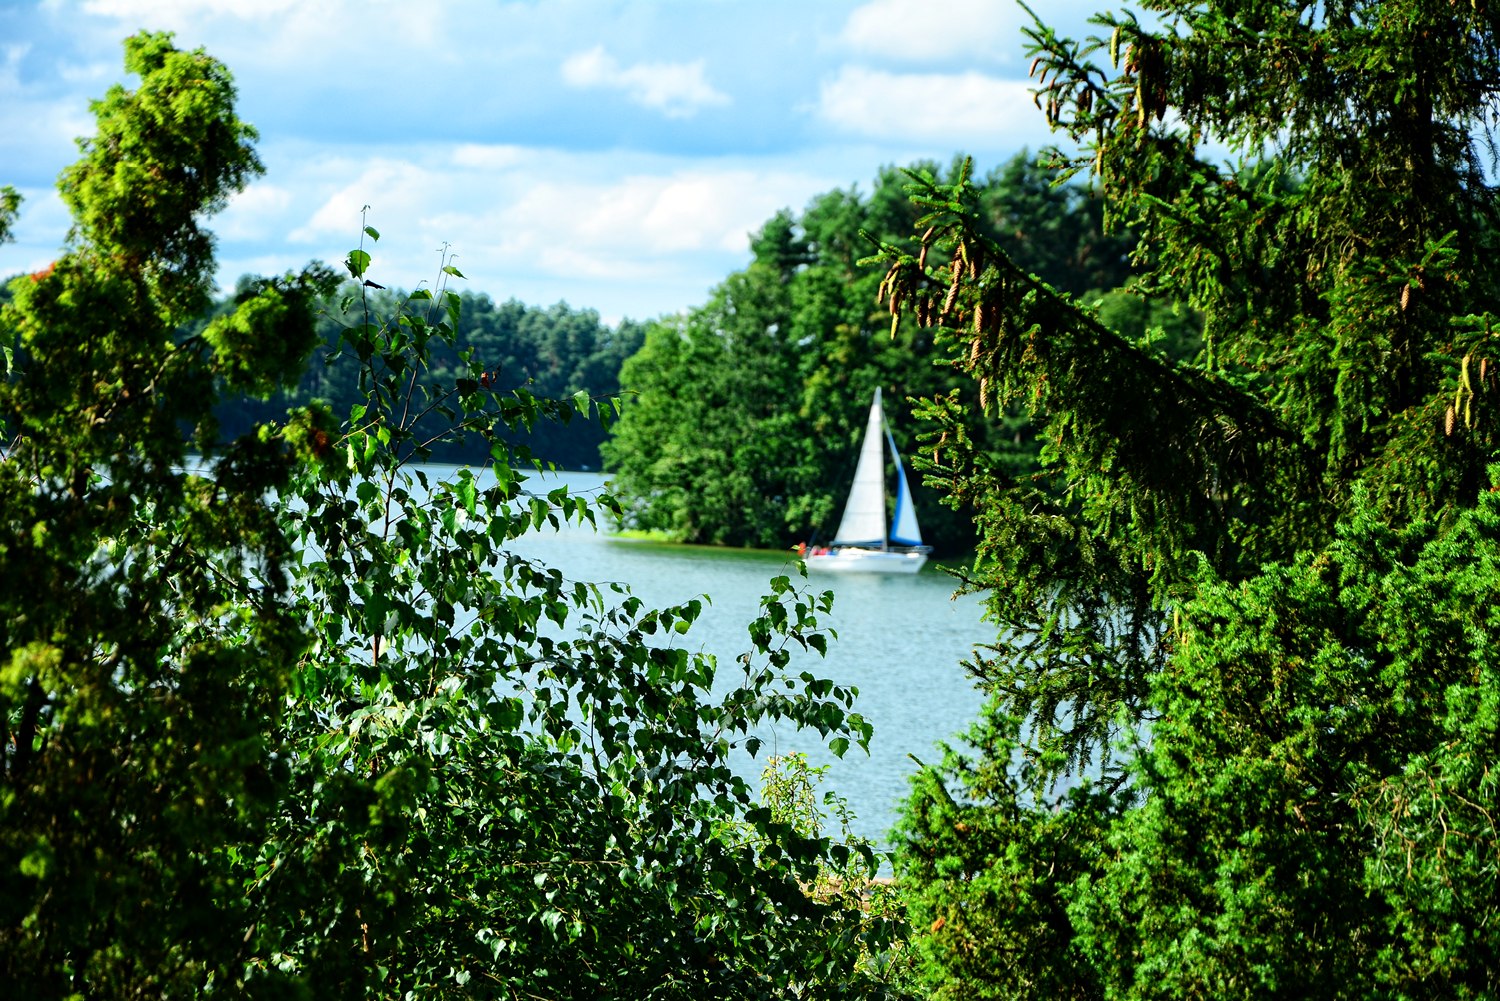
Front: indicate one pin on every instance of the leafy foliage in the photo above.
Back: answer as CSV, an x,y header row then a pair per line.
x,y
514,782
292,719
139,666
1206,633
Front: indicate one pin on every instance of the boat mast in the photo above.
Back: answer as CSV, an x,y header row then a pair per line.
x,y
877,427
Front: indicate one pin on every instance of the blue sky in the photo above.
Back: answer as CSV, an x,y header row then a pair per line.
x,y
612,155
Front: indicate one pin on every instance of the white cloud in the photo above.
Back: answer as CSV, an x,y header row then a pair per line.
x,y
392,188
677,90
658,214
463,122
936,29
987,31
253,214
179,10
89,74
628,234
959,110
331,39
487,156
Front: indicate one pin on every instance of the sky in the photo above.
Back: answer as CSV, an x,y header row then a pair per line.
x,y
612,155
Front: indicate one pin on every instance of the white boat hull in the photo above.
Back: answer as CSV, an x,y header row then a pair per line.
x,y
853,560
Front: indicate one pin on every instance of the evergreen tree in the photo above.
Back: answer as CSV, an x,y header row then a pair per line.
x,y
138,664
1343,269
553,353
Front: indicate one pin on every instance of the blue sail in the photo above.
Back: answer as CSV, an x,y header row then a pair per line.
x,y
904,528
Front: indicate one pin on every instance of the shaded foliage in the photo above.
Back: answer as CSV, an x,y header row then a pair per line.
x,y
1318,814
1215,626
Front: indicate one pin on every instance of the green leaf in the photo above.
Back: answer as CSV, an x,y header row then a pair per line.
x,y
357,262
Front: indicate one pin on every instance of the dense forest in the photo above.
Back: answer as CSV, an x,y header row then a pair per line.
x,y
742,417
300,722
555,353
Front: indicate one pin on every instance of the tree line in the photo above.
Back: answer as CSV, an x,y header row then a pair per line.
x,y
741,417
551,352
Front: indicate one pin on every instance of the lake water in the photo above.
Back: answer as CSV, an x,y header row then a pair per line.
x,y
900,641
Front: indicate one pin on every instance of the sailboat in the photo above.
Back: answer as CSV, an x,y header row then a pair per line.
x,y
863,542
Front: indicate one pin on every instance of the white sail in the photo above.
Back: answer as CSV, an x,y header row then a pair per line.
x,y
863,523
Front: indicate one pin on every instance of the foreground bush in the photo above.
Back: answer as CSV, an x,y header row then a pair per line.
x,y
287,718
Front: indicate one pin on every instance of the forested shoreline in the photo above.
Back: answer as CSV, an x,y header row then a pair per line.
x,y
790,375
553,352
742,417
